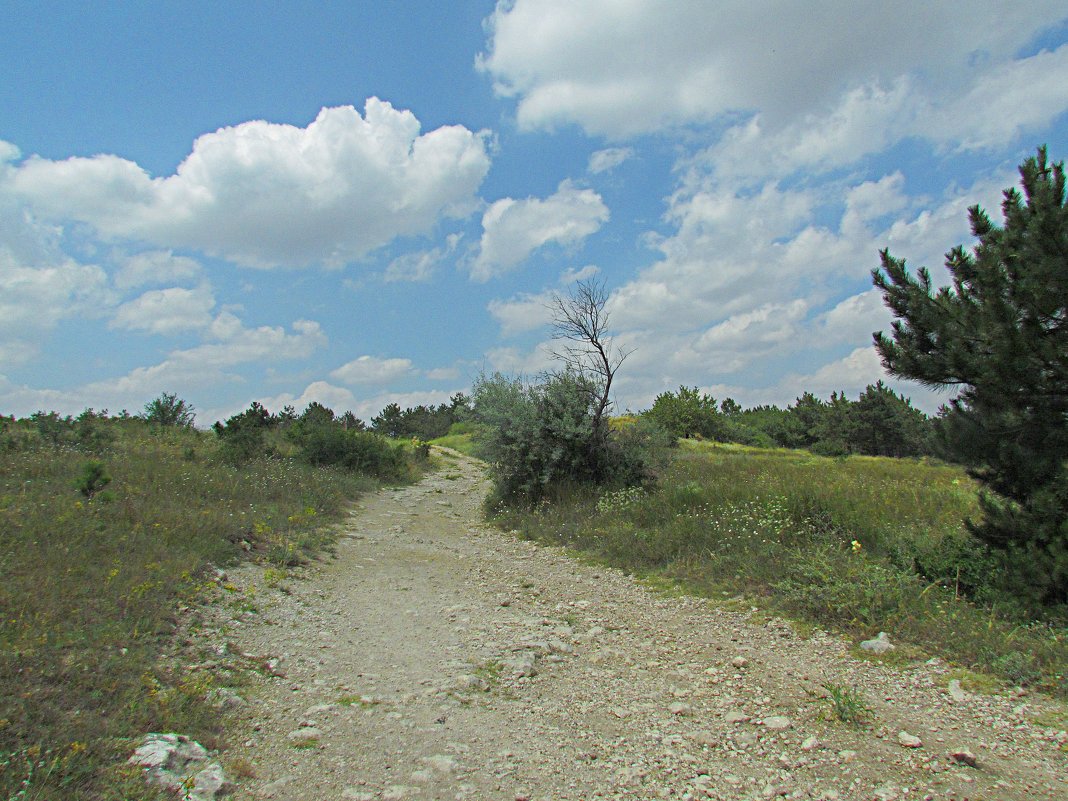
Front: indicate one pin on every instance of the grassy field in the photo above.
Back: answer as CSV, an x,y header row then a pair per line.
x,y
92,572
857,545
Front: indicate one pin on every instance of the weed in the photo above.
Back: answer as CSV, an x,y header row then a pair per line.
x,y
847,705
93,478
273,577
490,671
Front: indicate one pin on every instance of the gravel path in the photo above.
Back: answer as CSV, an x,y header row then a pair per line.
x,y
438,658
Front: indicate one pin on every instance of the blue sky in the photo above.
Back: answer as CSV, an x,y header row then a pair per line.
x,y
360,203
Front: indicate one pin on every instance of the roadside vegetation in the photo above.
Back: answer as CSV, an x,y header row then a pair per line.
x,y
855,545
108,525
847,524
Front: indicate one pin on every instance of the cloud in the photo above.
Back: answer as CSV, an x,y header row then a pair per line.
x,y
33,300
747,285
620,69
372,370
443,374
155,267
270,195
1011,98
195,370
573,275
854,319
608,159
420,265
513,229
211,363
339,399
525,312
167,311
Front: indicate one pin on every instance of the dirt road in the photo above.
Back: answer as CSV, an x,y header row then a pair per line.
x,y
438,658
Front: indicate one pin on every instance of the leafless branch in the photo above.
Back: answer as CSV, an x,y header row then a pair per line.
x,y
580,323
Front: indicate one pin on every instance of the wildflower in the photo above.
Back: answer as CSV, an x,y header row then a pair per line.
x,y
856,546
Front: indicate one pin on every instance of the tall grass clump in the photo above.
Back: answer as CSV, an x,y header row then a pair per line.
x,y
93,570
857,544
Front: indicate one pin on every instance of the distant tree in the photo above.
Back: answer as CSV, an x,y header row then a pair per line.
x,y
883,423
169,410
779,425
687,413
730,408
317,414
243,436
832,430
389,422
350,422
999,334
807,412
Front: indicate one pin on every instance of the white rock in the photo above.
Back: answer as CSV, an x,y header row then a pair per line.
x,y
679,708
735,716
172,760
810,744
739,661
777,723
909,740
880,645
955,691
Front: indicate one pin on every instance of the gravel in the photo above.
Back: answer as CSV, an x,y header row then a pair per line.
x,y
434,657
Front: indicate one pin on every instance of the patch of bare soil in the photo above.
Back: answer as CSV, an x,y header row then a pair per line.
x,y
438,658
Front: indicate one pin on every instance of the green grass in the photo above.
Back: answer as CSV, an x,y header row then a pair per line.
x,y
90,584
846,705
464,443
857,544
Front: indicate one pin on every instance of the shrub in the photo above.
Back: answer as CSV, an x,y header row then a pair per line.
x,y
169,410
243,436
540,436
92,479
360,451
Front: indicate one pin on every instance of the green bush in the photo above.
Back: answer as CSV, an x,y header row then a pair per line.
x,y
539,437
243,437
93,478
360,451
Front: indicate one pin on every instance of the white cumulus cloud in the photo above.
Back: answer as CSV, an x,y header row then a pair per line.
x,y
619,69
372,370
513,229
167,311
268,195
154,267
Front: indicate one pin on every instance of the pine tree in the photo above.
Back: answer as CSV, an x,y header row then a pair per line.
x,y
1000,335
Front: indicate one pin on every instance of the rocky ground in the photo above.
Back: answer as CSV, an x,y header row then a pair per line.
x,y
435,657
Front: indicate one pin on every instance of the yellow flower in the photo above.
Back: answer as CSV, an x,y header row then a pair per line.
x,y
856,546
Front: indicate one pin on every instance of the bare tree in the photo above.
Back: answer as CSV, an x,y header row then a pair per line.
x,y
580,322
